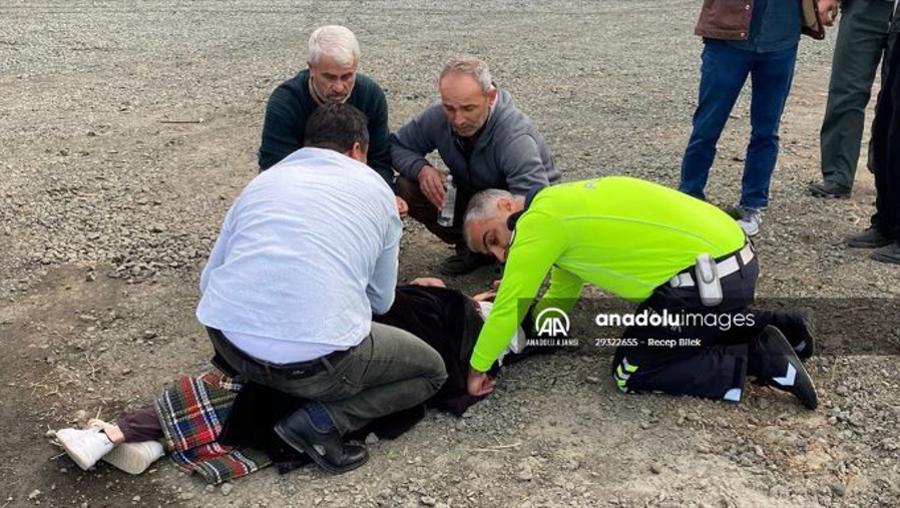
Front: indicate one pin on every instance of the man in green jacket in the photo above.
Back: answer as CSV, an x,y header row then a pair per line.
x,y
639,241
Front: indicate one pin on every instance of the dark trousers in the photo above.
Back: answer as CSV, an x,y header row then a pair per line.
x,y
141,425
389,371
425,213
885,146
857,53
716,367
722,75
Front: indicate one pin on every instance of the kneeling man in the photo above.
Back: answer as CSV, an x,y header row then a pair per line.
x,y
307,253
646,243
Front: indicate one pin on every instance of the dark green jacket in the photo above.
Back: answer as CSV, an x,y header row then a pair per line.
x,y
291,105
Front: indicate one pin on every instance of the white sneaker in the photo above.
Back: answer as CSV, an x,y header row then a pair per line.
x,y
84,446
751,219
134,458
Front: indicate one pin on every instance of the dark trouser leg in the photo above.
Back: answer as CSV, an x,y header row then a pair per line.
x,y
424,212
141,425
391,370
857,51
772,74
716,368
886,149
722,75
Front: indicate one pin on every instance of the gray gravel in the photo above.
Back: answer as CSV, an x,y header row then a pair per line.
x,y
108,210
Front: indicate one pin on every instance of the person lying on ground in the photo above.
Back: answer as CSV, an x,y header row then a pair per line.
x,y
446,319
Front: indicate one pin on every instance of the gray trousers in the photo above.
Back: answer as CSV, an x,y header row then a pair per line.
x,y
857,52
389,371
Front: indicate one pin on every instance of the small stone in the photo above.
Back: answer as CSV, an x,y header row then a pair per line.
x,y
525,475
655,469
645,425
593,379
210,489
838,489
34,494
842,390
227,488
136,499
50,434
81,416
371,438
428,500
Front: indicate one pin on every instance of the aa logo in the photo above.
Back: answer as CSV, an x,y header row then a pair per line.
x,y
553,322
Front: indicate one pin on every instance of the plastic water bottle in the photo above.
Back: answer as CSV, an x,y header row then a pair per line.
x,y
445,218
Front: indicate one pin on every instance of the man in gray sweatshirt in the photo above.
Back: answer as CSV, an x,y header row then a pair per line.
x,y
485,141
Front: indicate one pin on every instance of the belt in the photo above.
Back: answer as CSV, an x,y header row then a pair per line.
x,y
725,267
261,367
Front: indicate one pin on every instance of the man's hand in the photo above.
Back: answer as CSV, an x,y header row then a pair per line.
x,y
828,11
485,296
402,207
479,383
431,182
433,282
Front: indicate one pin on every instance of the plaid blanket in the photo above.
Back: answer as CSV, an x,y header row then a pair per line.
x,y
192,413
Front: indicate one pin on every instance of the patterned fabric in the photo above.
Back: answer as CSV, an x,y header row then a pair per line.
x,y
192,413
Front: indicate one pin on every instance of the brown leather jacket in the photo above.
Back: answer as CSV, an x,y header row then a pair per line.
x,y
730,19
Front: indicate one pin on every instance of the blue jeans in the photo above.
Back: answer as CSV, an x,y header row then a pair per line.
x,y
722,76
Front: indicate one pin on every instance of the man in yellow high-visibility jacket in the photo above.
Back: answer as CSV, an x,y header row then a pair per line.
x,y
639,241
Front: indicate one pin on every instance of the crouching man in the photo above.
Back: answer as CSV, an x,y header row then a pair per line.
x,y
307,252
639,241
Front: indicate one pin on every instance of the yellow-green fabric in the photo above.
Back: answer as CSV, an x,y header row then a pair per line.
x,y
624,235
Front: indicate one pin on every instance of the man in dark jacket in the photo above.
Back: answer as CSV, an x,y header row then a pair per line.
x,y
884,233
332,77
484,140
745,38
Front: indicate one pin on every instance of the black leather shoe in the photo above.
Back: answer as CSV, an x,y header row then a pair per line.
x,y
868,239
828,190
888,254
328,450
780,368
465,261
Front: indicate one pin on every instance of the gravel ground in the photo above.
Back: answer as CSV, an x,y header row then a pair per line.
x,y
108,211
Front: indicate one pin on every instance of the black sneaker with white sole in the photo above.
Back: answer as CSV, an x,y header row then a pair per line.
x,y
776,364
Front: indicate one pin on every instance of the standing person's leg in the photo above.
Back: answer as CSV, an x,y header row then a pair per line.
x,y
886,133
723,72
857,52
771,77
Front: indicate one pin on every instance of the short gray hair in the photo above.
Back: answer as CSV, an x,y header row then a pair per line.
x,y
483,206
335,41
470,66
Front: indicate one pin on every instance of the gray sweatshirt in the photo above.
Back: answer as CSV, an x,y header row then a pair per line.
x,y
508,154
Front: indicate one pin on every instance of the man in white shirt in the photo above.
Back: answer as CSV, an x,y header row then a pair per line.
x,y
307,253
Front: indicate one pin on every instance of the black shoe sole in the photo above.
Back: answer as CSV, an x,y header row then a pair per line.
x,y
302,446
800,374
881,258
819,193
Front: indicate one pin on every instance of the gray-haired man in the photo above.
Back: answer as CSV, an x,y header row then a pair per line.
x,y
485,141
331,77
